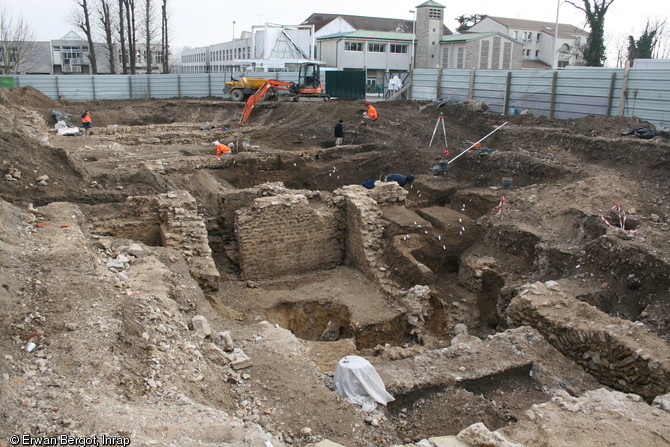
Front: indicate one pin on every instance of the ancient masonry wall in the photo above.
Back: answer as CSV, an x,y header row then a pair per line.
x,y
284,235
364,228
184,230
619,353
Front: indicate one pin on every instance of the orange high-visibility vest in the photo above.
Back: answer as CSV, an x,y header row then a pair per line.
x,y
221,149
372,113
86,118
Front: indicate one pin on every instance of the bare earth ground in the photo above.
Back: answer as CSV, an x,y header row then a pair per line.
x,y
116,352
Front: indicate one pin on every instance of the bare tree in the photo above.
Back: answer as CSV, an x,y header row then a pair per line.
x,y
148,32
662,48
107,24
620,44
165,41
594,52
122,37
131,32
18,50
81,18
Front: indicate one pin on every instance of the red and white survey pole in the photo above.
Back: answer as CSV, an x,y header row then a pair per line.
x,y
475,144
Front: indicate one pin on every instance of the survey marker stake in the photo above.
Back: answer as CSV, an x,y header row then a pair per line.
x,y
476,143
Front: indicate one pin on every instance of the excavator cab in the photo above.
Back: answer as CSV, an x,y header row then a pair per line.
x,y
309,85
309,77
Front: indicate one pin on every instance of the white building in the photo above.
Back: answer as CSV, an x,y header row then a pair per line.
x,y
268,47
538,40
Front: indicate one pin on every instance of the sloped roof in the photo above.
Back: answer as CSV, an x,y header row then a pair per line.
x,y
467,37
371,35
71,36
431,3
565,30
363,23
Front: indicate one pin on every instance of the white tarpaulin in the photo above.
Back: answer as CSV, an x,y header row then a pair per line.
x,y
357,380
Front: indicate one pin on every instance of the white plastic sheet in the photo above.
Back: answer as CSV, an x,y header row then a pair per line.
x,y
358,381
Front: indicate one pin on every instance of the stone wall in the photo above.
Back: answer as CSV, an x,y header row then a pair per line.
x,y
184,230
619,353
284,235
364,228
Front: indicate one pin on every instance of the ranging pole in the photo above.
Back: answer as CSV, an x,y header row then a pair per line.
x,y
475,144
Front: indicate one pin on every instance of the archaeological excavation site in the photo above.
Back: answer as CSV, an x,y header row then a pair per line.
x,y
515,293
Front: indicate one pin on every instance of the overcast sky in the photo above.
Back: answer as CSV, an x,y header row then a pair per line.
x,y
196,23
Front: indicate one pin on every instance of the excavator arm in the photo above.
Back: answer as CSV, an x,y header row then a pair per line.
x,y
260,94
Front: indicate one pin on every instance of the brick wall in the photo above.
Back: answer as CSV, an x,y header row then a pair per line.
x,y
284,235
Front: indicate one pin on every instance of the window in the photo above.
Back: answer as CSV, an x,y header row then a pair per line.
x,y
445,57
353,46
460,57
516,35
377,47
528,53
396,48
434,13
538,36
537,53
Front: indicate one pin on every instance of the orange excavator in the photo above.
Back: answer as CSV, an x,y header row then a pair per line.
x,y
309,85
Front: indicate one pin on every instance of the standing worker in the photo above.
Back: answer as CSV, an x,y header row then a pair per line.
x,y
399,179
371,112
339,133
86,122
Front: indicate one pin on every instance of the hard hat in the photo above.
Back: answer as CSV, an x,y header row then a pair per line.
x,y
231,144
367,104
215,142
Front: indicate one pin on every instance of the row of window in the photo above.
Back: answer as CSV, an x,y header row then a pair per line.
x,y
374,47
526,36
219,55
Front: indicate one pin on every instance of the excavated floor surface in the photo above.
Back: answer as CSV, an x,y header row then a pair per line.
x,y
114,355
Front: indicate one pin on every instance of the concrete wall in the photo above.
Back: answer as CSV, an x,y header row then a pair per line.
x,y
284,235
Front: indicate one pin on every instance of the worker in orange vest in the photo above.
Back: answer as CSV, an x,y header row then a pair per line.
x,y
371,112
86,122
222,148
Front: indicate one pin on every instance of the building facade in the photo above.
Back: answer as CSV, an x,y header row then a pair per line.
x,y
485,51
538,40
267,47
70,55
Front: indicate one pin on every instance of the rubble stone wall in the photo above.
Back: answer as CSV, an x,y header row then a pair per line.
x,y
183,229
619,353
284,235
364,229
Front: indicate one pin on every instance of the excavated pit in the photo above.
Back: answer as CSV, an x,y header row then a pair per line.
x,y
284,233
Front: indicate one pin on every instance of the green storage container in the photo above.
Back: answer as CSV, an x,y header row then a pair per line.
x,y
346,84
6,82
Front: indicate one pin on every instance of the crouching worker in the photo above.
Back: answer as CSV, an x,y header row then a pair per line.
x,y
370,112
222,148
399,179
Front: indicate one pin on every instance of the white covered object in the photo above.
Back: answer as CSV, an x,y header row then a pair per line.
x,y
357,380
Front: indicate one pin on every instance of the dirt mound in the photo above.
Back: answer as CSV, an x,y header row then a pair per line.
x,y
26,97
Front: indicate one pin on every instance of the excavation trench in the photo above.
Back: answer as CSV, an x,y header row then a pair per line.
x,y
520,244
